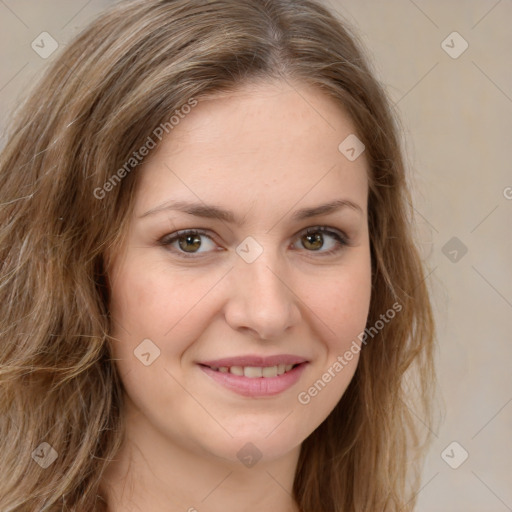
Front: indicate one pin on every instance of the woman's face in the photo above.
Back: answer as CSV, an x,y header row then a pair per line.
x,y
275,272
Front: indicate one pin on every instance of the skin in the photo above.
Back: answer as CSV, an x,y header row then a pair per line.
x,y
263,152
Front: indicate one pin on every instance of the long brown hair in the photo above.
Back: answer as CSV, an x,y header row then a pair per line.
x,y
97,104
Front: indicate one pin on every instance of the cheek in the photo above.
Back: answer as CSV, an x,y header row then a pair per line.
x,y
136,299
150,301
341,309
342,303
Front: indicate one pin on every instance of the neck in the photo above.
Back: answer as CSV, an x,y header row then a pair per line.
x,y
150,472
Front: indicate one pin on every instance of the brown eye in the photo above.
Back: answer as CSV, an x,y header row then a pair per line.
x,y
189,243
313,241
322,240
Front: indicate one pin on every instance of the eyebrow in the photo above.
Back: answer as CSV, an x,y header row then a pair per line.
x,y
215,212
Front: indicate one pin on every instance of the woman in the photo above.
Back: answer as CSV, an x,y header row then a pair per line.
x,y
211,296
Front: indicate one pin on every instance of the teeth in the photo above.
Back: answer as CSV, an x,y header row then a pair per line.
x,y
269,371
237,370
254,372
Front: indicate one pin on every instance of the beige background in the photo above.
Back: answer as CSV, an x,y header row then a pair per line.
x,y
457,115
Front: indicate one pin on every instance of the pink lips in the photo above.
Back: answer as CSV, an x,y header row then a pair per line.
x,y
258,386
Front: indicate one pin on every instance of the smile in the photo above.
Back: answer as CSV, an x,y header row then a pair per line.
x,y
254,376
254,372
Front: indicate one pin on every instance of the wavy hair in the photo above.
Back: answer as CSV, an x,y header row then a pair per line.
x,y
98,102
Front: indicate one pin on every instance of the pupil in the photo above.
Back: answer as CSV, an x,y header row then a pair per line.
x,y
190,239
315,240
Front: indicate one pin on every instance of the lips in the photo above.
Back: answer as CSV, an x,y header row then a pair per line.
x,y
256,376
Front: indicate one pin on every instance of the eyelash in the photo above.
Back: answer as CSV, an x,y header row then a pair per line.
x,y
340,238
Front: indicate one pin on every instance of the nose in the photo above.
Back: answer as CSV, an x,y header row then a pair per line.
x,y
262,301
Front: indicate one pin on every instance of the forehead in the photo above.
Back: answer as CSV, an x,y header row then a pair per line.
x,y
274,142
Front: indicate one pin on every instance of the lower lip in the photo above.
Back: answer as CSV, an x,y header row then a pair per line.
x,y
259,386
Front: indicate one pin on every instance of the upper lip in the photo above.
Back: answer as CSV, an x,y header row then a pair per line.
x,y
253,360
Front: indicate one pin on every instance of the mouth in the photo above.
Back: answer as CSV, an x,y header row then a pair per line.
x,y
256,376
255,372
